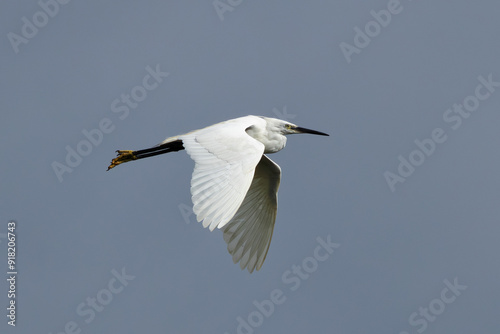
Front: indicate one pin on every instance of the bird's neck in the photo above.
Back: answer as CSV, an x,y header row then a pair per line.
x,y
273,141
275,144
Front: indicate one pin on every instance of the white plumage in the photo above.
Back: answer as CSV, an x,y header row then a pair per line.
x,y
234,184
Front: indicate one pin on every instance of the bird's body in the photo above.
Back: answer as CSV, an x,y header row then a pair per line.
x,y
234,184
265,132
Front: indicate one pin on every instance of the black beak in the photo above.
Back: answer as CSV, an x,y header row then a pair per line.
x,y
313,132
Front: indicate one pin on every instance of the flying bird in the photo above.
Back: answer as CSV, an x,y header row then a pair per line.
x,y
234,185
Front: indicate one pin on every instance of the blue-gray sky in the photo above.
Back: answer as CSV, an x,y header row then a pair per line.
x,y
409,85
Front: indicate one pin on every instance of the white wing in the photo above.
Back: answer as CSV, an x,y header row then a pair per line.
x,y
225,158
248,234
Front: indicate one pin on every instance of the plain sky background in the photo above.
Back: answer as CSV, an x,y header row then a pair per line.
x,y
264,58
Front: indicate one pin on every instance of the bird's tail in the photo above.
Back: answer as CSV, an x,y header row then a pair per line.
x,y
172,144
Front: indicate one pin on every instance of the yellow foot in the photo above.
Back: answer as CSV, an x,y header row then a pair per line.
x,y
123,156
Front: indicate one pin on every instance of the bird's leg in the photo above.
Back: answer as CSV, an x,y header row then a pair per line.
x,y
123,156
126,156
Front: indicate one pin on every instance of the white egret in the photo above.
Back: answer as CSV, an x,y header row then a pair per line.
x,y
234,185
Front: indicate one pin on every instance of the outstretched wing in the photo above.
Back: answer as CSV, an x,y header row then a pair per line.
x,y
248,234
225,158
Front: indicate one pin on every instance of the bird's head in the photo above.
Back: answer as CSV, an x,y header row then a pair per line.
x,y
287,128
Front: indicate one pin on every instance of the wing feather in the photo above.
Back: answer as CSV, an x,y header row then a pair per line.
x,y
248,234
225,159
